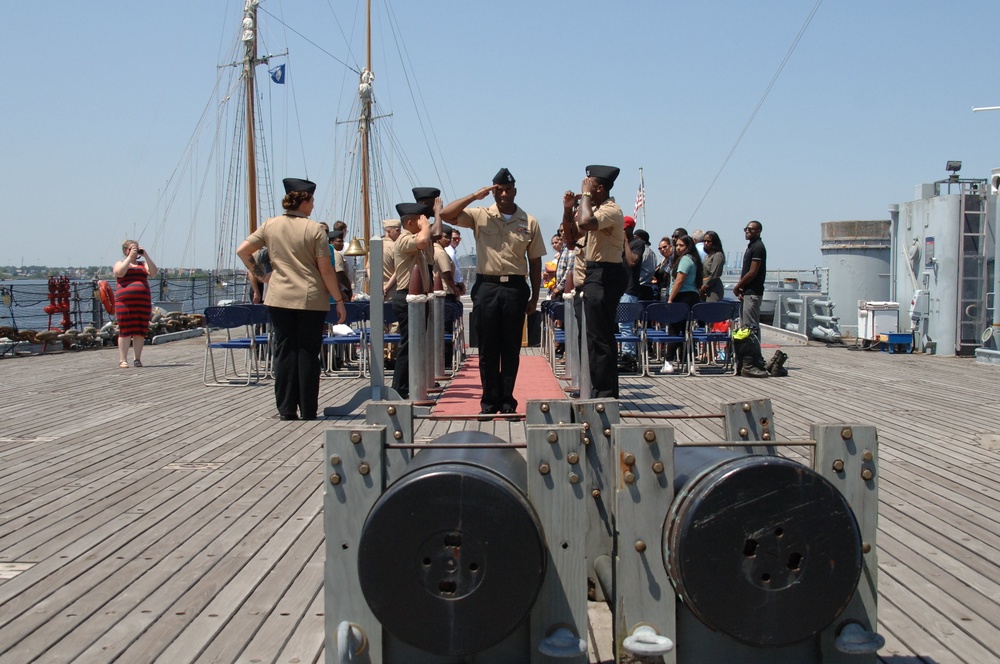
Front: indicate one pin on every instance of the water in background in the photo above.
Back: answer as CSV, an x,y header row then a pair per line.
x,y
23,303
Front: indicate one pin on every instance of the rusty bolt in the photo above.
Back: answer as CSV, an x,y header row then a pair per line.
x,y
867,474
629,459
743,432
391,410
334,478
838,465
846,433
867,455
574,478
866,547
630,477
763,422
746,407
573,457
544,469
649,435
766,435
658,467
397,434
552,437
596,493
364,469
544,408
355,437
599,408
334,459
640,546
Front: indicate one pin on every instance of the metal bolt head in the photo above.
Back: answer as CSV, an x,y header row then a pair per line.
x,y
334,459
544,469
629,459
364,468
847,433
573,457
607,433
867,474
574,478
744,432
640,546
391,410
544,408
355,437
766,435
596,493
599,408
866,547
658,467
586,426
397,434
746,407
649,435
630,477
838,465
867,455
552,437
334,478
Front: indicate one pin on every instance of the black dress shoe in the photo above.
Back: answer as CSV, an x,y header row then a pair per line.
x,y
309,416
508,410
485,415
284,417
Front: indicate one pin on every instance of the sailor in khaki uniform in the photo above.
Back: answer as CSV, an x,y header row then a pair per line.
x,y
408,251
392,229
509,245
593,215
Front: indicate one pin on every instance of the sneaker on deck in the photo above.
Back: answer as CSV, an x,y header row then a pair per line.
x,y
668,368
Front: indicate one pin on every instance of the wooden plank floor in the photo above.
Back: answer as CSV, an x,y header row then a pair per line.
x,y
145,517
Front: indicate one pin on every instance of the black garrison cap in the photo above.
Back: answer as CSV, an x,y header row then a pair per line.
x,y
425,192
503,176
403,209
606,174
295,184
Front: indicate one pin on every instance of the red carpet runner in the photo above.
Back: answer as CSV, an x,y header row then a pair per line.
x,y
460,398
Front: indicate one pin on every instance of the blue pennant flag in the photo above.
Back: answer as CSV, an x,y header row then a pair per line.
x,y
278,74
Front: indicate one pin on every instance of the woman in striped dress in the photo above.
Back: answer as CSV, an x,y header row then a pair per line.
x,y
133,302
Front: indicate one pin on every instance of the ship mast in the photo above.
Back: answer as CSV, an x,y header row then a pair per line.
x,y
365,91
250,62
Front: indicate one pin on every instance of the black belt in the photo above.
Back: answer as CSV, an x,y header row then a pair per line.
x,y
501,279
591,264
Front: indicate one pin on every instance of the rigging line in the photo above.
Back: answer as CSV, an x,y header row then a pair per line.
x,y
746,127
323,50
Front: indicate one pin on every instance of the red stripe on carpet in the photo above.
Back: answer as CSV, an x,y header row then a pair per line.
x,y
535,380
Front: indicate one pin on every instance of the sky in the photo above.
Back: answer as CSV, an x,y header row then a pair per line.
x,y
791,113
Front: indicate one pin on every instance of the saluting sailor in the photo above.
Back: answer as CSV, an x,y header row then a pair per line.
x,y
408,251
594,216
508,245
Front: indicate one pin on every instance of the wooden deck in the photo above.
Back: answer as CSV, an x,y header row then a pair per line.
x,y
148,518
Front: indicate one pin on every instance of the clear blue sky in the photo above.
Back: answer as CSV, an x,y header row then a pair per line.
x,y
102,98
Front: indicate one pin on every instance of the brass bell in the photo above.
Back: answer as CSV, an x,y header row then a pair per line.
x,y
355,248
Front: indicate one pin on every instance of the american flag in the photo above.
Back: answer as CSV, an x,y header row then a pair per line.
x,y
640,198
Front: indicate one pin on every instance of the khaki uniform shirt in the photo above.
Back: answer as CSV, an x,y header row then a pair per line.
x,y
501,244
442,264
388,260
606,244
295,244
407,254
579,269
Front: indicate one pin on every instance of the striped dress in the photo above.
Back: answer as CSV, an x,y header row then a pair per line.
x,y
133,303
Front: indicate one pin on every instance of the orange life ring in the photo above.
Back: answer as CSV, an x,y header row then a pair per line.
x,y
107,297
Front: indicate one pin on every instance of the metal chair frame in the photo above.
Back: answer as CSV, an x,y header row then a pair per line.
x,y
710,313
358,317
631,312
230,318
664,313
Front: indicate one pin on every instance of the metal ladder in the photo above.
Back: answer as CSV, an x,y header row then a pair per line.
x,y
972,270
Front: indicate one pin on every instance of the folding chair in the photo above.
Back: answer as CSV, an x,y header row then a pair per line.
x,y
357,317
454,311
658,316
260,318
631,313
711,313
229,319
555,334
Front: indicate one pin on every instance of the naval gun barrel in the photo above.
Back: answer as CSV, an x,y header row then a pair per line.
x,y
760,548
452,555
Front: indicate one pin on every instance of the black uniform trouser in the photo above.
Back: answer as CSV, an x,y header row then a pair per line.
x,y
602,289
297,338
498,315
401,374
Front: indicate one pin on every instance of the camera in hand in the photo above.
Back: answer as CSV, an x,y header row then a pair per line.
x,y
142,252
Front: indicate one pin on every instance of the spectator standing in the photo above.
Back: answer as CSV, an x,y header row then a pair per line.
x,y
133,301
632,261
452,249
685,281
661,275
509,245
712,289
647,290
750,290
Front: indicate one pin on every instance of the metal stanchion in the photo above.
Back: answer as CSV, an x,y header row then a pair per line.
x,y
571,356
437,347
584,372
416,311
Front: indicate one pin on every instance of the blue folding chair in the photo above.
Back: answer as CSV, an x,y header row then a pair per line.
x,y
260,319
703,316
454,311
658,317
230,319
631,315
357,319
554,333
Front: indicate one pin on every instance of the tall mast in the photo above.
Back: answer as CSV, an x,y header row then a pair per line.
x,y
365,90
249,66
